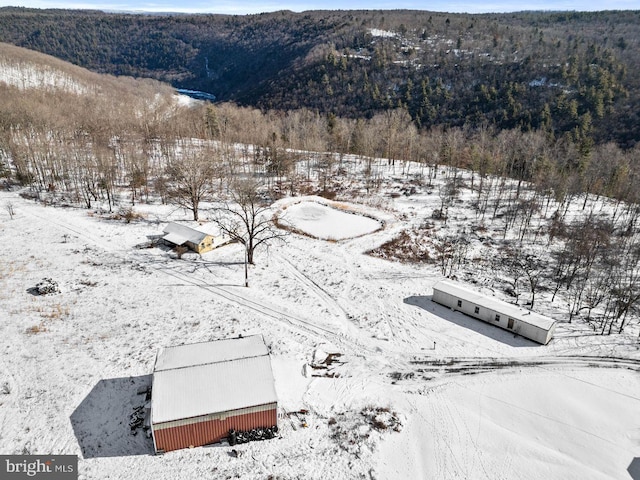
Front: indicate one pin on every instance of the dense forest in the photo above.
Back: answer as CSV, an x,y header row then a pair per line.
x,y
572,76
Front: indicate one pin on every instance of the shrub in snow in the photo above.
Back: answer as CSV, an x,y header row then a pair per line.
x,y
127,214
382,419
353,431
47,287
10,209
408,246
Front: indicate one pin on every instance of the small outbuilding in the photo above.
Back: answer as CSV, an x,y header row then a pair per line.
x,y
200,240
526,323
201,391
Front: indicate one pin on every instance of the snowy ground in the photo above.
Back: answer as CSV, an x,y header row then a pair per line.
x,y
325,220
474,401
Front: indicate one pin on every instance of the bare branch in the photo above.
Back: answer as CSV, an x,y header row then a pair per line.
x,y
190,171
247,216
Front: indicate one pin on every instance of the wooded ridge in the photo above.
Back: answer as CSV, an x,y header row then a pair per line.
x,y
564,73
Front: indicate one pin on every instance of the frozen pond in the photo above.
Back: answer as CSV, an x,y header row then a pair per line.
x,y
321,221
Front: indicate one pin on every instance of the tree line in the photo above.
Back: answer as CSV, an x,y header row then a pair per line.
x,y
573,74
104,141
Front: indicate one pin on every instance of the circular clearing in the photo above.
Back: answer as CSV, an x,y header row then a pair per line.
x,y
327,223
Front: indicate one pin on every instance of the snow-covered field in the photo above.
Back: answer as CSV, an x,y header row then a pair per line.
x,y
418,391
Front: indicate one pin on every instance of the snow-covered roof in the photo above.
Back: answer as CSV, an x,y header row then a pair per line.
x,y
180,234
210,352
495,304
212,377
212,388
175,238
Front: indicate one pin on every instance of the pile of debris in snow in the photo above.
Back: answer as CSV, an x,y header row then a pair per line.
x,y
138,419
239,437
47,286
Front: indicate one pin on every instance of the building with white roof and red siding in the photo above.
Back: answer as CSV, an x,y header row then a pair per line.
x,y
201,391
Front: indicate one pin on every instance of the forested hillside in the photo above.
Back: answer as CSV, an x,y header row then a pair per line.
x,y
499,151
570,75
69,136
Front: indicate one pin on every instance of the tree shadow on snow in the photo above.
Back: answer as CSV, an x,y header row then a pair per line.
x,y
101,421
634,468
458,318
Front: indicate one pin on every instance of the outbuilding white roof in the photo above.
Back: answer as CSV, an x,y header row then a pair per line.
x,y
180,234
495,304
210,352
211,377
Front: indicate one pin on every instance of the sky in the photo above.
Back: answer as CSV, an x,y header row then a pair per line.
x,y
260,6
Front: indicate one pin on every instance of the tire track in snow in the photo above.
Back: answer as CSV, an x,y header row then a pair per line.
x,y
547,418
301,324
457,366
105,245
448,464
462,364
327,300
473,440
456,447
469,364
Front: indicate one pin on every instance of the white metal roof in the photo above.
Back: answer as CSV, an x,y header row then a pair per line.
x,y
211,388
175,238
179,234
211,377
513,311
210,352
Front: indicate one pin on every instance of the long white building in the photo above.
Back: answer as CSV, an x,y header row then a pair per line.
x,y
526,323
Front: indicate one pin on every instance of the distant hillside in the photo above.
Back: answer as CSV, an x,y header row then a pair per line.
x,y
36,72
38,89
53,114
569,74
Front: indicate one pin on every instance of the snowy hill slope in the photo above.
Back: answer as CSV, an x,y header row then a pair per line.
x,y
34,73
29,70
73,362
374,380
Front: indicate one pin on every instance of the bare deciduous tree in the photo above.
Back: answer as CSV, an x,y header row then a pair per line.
x,y
450,252
623,293
190,173
247,216
520,265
